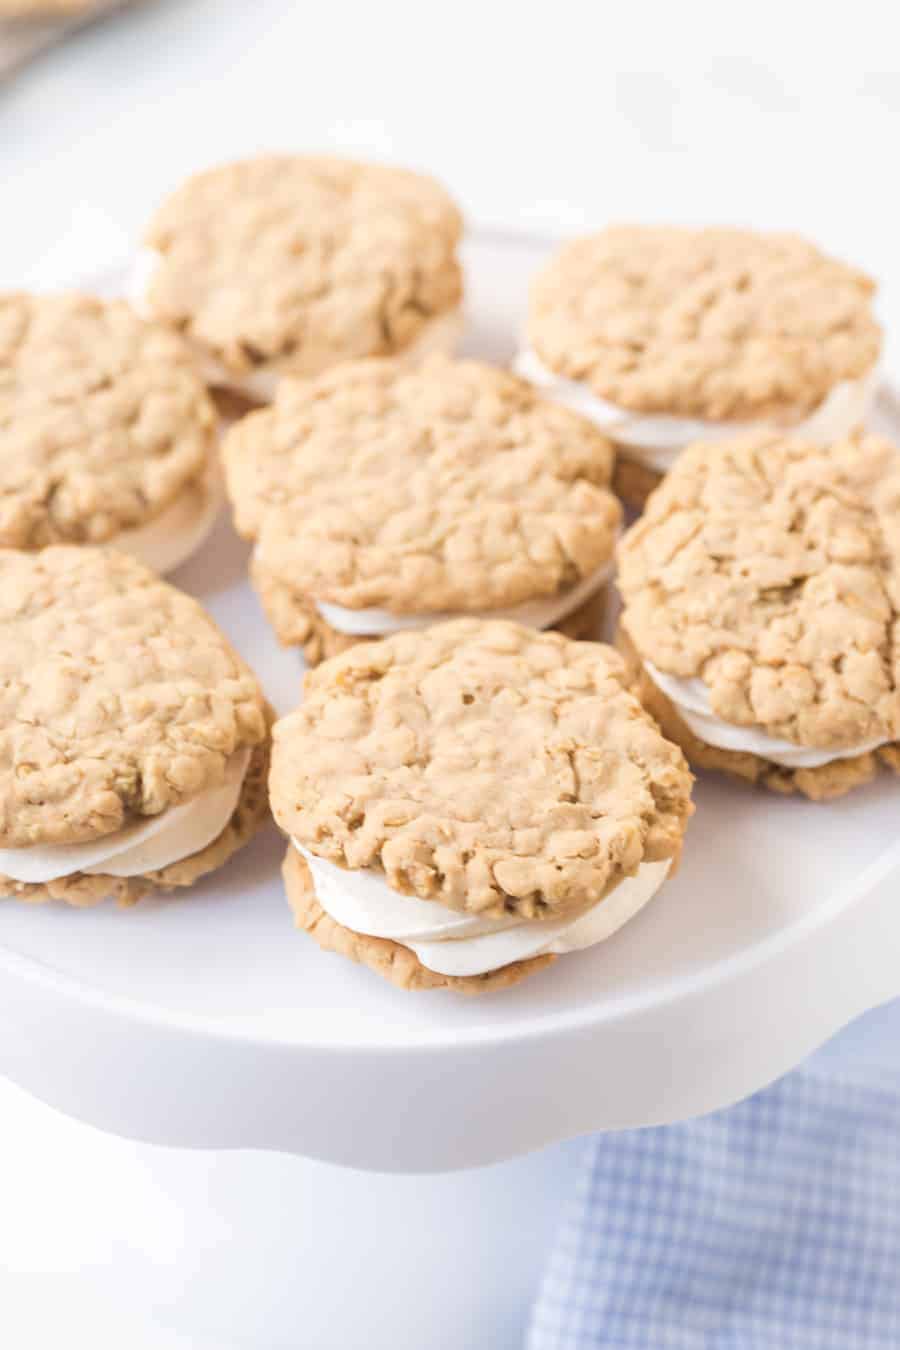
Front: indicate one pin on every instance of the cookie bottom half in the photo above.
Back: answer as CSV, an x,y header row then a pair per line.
x,y
633,482
82,890
391,960
298,623
820,784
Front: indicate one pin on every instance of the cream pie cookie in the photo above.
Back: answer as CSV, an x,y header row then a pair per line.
x,y
761,592
383,498
133,740
107,434
469,802
287,265
665,336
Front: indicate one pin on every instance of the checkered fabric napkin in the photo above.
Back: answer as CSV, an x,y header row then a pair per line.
x,y
774,1225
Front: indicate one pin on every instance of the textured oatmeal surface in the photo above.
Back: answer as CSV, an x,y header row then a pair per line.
x,y
719,323
118,696
449,487
104,420
481,764
770,569
82,890
293,263
822,783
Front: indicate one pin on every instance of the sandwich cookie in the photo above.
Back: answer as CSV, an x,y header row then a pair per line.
x,y
383,498
107,434
287,265
761,593
133,740
469,802
665,336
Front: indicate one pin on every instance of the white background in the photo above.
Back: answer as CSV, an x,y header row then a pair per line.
x,y
549,116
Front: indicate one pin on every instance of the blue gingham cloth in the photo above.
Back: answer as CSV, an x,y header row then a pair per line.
x,y
774,1225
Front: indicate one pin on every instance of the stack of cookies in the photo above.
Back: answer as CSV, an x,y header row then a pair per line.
x,y
474,784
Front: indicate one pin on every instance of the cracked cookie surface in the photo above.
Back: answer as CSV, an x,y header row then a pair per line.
x,y
83,889
295,263
822,783
719,323
770,569
481,764
119,696
104,420
449,487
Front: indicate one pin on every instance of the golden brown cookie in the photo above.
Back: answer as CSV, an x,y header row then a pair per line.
x,y
82,890
107,435
391,960
414,493
664,337
716,323
123,708
818,784
484,765
286,265
761,594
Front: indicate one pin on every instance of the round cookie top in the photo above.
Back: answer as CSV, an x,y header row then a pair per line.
x,y
118,696
770,569
482,764
451,486
717,323
296,263
103,420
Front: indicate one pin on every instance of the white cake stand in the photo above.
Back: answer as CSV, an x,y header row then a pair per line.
x,y
206,1021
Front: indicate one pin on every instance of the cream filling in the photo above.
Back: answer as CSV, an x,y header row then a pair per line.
x,y
146,846
167,540
656,441
691,698
540,613
440,334
450,943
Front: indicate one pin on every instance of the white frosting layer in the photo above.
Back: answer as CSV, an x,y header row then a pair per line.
x,y
450,943
532,613
656,441
165,542
146,846
691,697
440,334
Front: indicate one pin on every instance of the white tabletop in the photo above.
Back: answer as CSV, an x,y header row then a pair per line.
x,y
547,117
